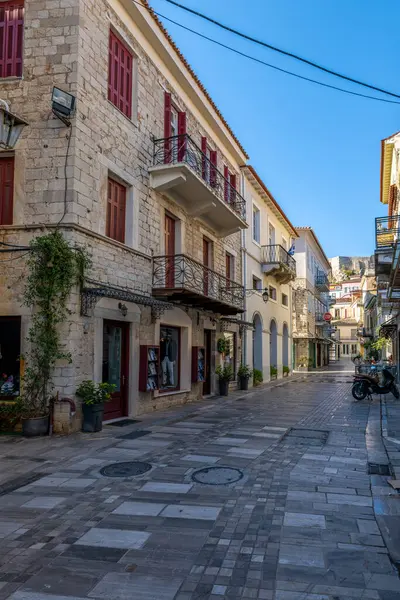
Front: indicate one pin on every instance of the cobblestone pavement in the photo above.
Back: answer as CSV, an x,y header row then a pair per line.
x,y
295,522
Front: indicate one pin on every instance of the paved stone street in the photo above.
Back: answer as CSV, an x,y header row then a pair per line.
x,y
289,518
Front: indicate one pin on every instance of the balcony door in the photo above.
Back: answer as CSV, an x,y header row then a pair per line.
x,y
206,263
169,251
116,366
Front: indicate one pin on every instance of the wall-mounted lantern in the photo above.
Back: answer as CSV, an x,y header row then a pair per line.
x,y
11,127
63,105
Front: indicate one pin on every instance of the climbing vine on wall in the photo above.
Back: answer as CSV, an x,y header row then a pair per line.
x,y
54,269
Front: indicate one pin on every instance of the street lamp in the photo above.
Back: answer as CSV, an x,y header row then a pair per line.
x,y
264,295
11,127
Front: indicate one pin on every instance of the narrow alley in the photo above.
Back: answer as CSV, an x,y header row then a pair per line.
x,y
265,496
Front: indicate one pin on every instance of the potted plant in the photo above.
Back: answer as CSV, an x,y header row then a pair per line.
x,y
257,377
35,414
303,363
285,370
93,395
225,375
244,374
273,372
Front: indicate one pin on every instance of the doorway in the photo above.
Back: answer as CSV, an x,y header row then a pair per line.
x,y
285,346
115,367
207,374
170,252
319,363
273,344
257,343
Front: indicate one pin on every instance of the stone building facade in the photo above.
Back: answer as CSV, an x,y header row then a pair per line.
x,y
66,177
311,335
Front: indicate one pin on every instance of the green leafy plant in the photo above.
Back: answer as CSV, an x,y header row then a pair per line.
x,y
379,344
273,371
245,371
54,269
225,373
9,416
303,361
221,345
257,377
286,369
95,393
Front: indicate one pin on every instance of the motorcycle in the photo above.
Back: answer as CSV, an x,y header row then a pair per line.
x,y
365,385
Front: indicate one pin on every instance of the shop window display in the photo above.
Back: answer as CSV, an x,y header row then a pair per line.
x,y
169,357
230,350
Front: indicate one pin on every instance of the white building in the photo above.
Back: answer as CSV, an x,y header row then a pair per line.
x,y
267,266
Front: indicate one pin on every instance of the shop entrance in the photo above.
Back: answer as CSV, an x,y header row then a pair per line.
x,y
207,346
115,367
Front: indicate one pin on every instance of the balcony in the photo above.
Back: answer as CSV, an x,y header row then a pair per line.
x,y
386,236
319,319
276,261
365,332
185,281
321,282
183,172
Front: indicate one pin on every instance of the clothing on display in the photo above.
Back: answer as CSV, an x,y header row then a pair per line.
x,y
169,354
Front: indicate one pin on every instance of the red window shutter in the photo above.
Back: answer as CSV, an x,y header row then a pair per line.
x,y
226,183
6,190
11,38
116,207
167,126
182,136
232,189
120,72
213,172
229,259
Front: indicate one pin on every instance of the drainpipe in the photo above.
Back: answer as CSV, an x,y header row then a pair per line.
x,y
244,276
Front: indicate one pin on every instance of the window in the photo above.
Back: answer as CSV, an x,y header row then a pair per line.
x,y
285,300
271,234
354,348
10,350
116,205
257,283
120,75
272,292
230,351
11,38
256,224
230,266
337,313
284,243
6,190
170,352
353,334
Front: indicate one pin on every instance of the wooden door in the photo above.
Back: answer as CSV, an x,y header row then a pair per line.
x,y
207,367
206,263
116,367
169,251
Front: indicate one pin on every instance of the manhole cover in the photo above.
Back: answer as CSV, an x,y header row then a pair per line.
x,y
217,475
125,469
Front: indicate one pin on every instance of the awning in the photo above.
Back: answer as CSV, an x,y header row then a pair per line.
x,y
389,329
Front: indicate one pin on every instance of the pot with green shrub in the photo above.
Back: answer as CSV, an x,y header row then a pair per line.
x,y
225,375
244,374
273,372
286,370
93,396
257,377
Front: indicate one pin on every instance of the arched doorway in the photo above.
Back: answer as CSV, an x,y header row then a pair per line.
x,y
257,343
273,344
285,345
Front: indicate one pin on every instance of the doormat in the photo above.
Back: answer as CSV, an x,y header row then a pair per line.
x,y
378,469
122,423
133,435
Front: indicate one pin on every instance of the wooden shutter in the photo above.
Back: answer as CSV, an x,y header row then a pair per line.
x,y
204,157
228,260
167,126
6,190
11,38
182,136
116,207
120,75
213,171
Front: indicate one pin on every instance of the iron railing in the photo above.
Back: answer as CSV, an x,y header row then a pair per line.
x,y
182,149
275,253
322,281
319,317
182,272
387,231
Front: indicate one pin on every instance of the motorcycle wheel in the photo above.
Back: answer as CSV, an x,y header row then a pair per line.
x,y
395,391
359,390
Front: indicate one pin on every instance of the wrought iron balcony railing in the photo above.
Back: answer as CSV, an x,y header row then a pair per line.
x,y
190,282
182,149
387,231
319,317
322,281
275,253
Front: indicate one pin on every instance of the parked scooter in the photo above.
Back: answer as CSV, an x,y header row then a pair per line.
x,y
365,385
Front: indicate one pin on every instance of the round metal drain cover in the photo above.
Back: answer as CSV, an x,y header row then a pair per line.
x,y
217,475
125,469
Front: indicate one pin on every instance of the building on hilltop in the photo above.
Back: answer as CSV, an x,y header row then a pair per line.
x,y
344,266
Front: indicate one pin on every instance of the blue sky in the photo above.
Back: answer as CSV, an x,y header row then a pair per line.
x,y
318,150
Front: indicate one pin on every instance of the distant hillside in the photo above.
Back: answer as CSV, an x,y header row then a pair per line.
x,y
343,266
